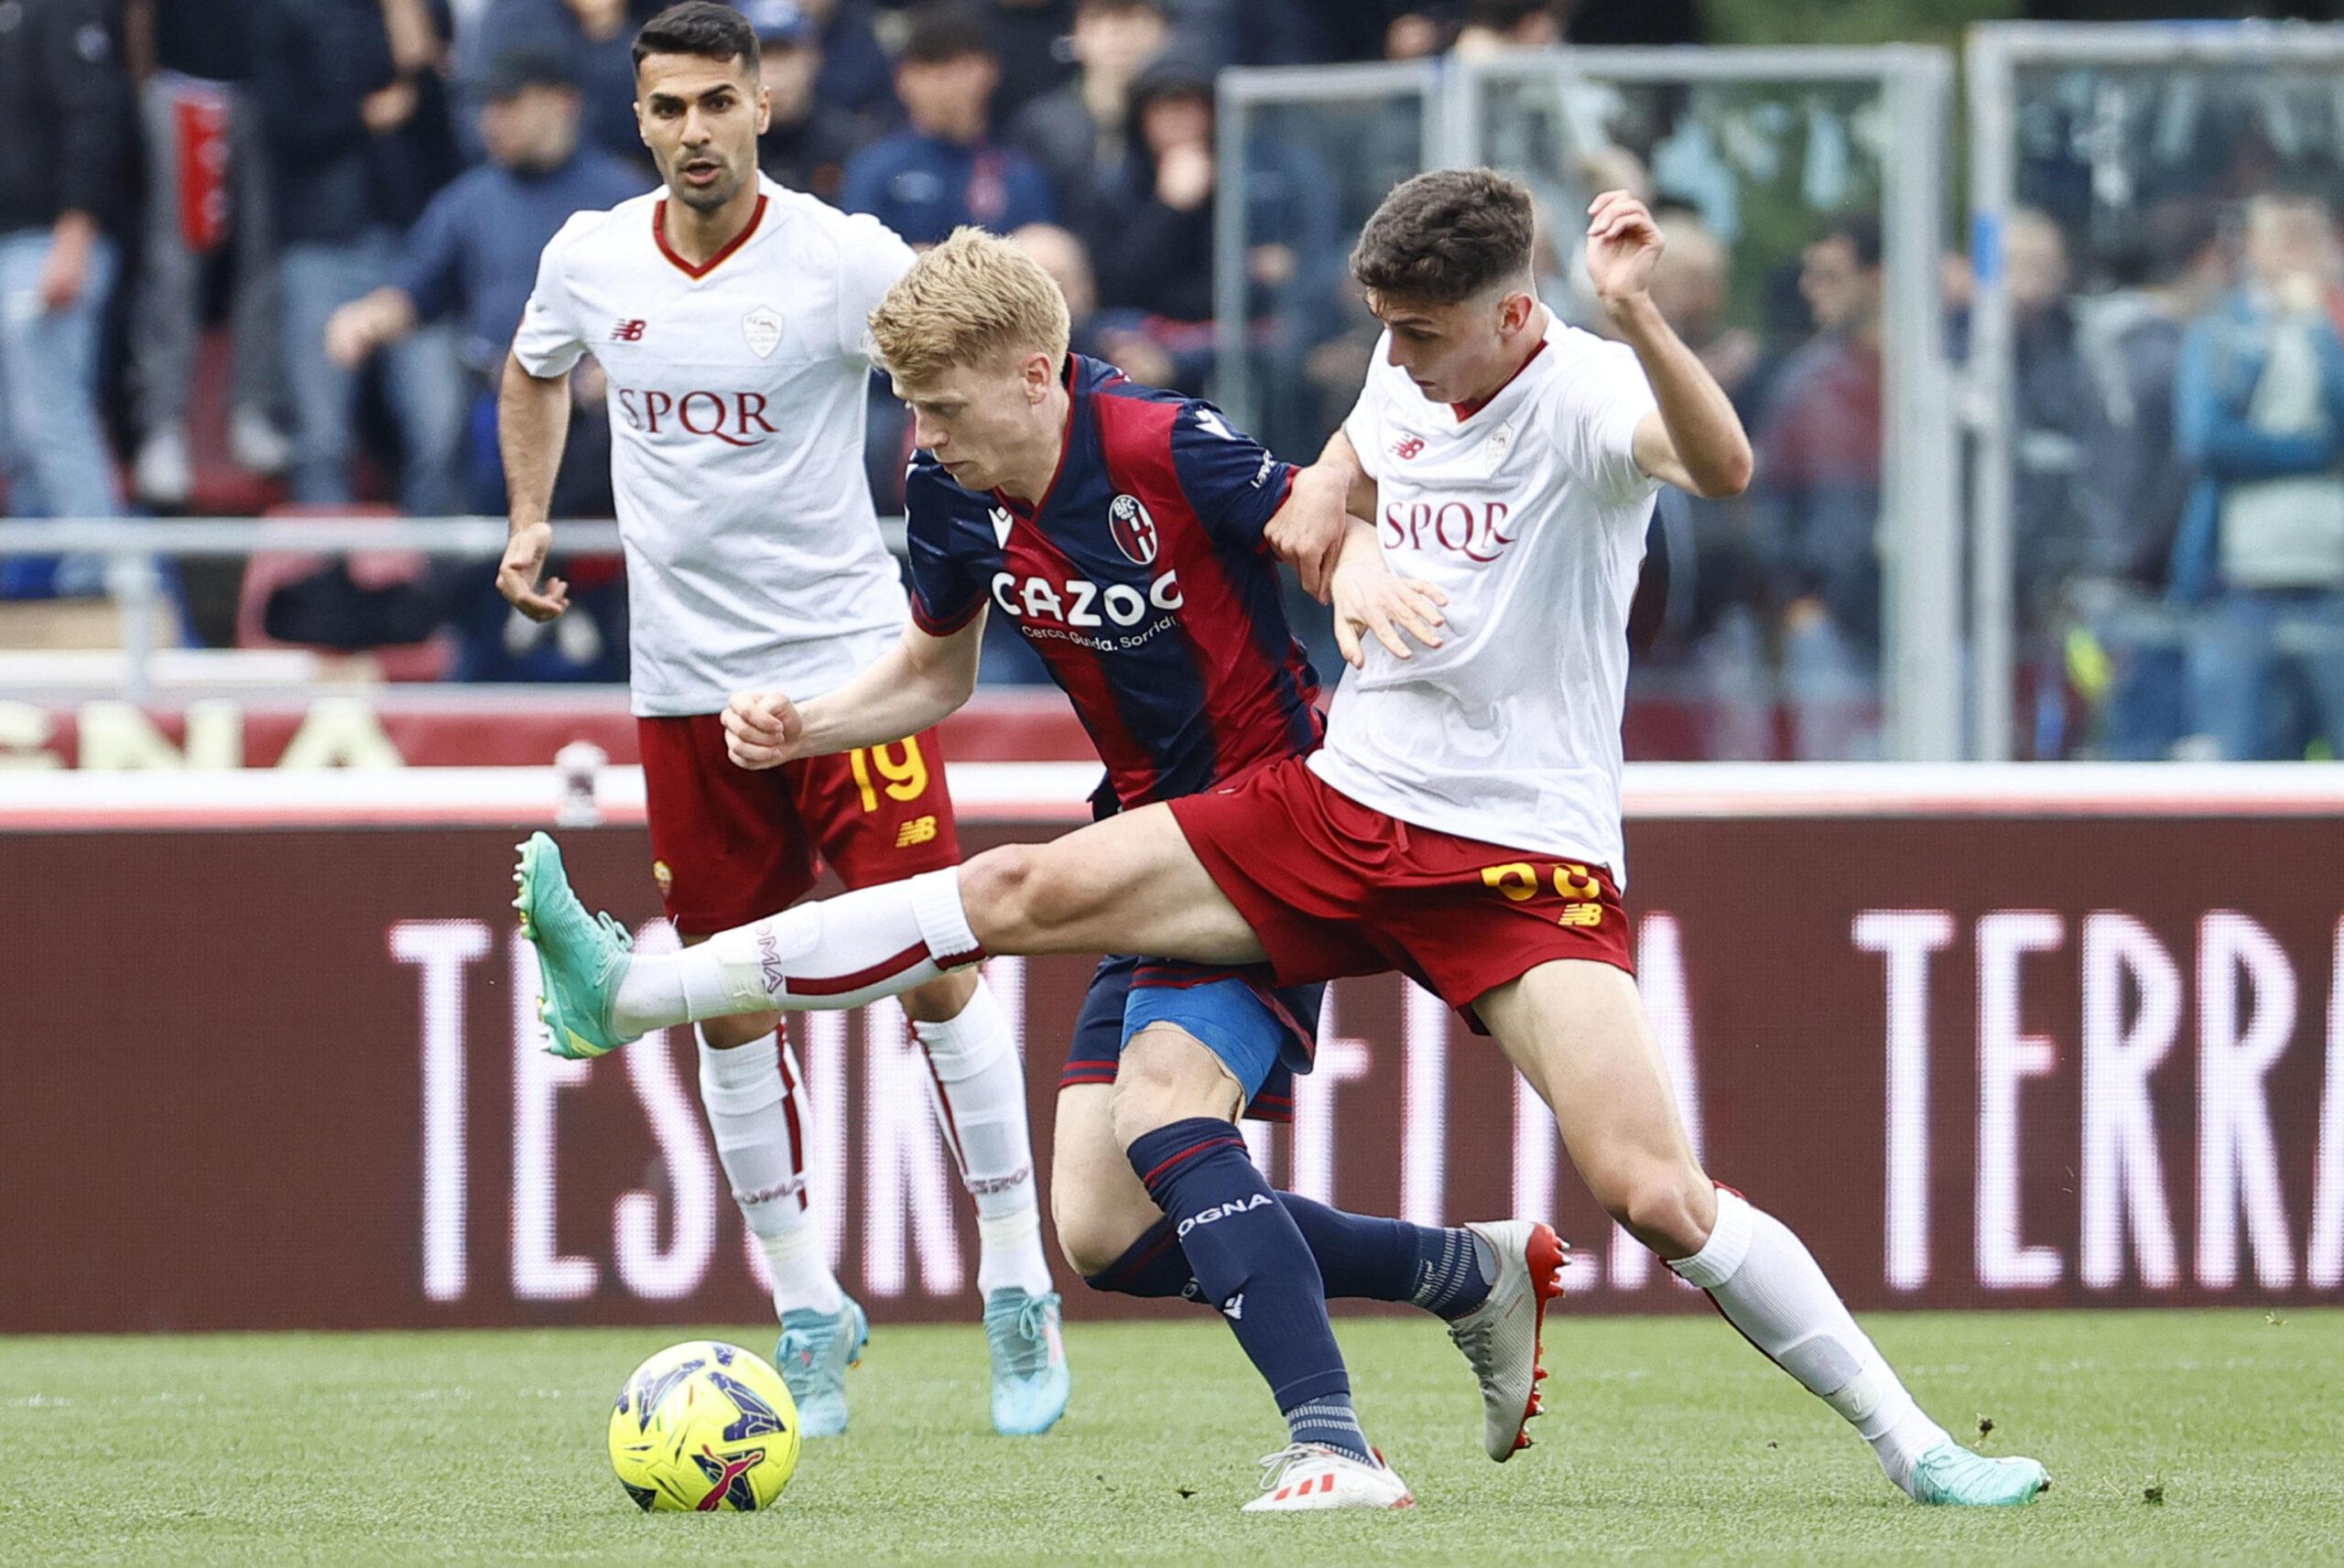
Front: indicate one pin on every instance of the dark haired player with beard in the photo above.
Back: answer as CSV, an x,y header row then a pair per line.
x,y
1461,822
728,314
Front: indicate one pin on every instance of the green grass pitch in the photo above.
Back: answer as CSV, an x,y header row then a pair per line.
x,y
2172,1437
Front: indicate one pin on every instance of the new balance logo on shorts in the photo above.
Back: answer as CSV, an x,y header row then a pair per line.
x,y
918,830
1222,1211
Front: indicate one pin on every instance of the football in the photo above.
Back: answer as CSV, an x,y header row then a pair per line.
x,y
704,1427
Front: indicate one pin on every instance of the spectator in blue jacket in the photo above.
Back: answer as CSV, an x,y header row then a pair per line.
x,y
2258,410
359,139
597,39
944,169
472,256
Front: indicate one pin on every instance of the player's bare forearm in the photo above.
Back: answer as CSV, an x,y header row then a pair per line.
x,y
919,683
1340,459
1307,534
532,427
1695,440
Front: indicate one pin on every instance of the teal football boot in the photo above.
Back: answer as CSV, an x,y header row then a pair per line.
x,y
1030,1380
1949,1476
580,957
813,1354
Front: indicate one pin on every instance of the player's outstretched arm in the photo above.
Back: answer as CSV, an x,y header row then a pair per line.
x,y
920,682
1370,598
532,426
1695,439
1306,533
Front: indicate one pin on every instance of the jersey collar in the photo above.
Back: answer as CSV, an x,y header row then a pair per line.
x,y
660,238
1465,411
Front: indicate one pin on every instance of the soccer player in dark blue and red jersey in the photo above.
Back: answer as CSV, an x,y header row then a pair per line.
x,y
1133,538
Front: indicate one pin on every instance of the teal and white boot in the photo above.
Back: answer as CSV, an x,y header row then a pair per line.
x,y
1030,1380
813,1354
1949,1476
582,957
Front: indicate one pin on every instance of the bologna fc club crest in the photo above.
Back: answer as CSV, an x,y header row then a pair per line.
x,y
762,326
1133,529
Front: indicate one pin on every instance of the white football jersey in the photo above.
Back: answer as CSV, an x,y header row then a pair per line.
x,y
736,406
1529,512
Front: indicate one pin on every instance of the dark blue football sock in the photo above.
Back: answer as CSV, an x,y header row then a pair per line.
x,y
1250,1260
1447,1271
1152,1265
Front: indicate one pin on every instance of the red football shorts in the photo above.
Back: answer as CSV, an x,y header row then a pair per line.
x,y
1334,888
729,846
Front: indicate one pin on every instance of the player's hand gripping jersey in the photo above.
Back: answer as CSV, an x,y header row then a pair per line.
x,y
736,408
1143,581
1529,510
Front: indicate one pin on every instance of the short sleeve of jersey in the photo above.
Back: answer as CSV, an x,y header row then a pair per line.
x,y
1365,427
1602,399
871,258
945,595
1232,482
548,343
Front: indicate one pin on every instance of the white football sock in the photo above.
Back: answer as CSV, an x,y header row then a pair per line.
x,y
1770,1287
756,1099
831,954
977,1086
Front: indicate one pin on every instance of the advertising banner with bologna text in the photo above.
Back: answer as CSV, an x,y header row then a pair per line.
x,y
281,1079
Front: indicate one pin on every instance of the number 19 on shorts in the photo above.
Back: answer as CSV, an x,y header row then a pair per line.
x,y
903,777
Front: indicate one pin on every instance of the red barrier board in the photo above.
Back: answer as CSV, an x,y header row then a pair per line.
x,y
262,1079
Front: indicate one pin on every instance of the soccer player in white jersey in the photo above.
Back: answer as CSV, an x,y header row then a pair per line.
x,y
728,314
1461,822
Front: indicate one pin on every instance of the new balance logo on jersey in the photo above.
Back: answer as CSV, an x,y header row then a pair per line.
x,y
1079,602
1407,446
1473,529
735,419
627,331
1223,1211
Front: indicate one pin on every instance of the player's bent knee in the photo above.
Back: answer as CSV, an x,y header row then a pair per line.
x,y
1167,1076
1019,893
1667,1209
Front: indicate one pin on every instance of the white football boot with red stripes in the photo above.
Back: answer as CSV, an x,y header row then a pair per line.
x,y
1504,1336
1309,1476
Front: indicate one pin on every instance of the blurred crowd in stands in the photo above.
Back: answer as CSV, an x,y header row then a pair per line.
x,y
264,256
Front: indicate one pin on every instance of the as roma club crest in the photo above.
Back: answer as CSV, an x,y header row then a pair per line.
x,y
1133,528
1494,449
762,326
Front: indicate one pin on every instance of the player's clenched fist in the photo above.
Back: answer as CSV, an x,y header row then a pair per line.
x,y
762,729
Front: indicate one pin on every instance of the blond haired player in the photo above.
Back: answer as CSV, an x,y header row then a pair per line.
x,y
728,314
1463,821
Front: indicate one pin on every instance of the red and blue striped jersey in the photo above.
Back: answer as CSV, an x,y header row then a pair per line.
x,y
1140,578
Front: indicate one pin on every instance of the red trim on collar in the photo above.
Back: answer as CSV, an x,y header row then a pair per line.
x,y
1065,445
659,237
1465,411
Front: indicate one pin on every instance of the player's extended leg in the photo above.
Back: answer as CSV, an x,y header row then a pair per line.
x,y
1129,884
1173,1109
1577,1031
753,1092
977,1087
1490,1282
